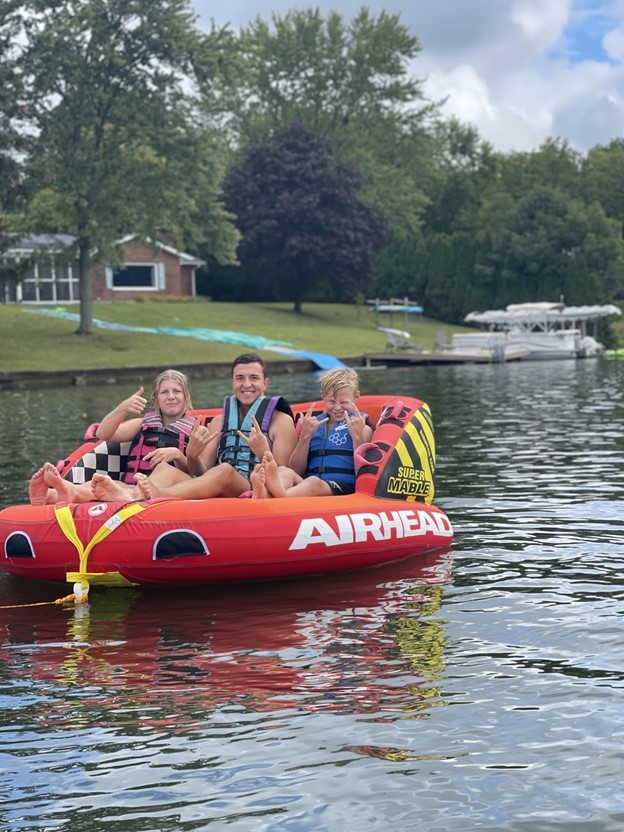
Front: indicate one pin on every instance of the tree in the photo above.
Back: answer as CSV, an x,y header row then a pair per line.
x,y
556,246
603,174
322,73
554,164
11,142
466,172
303,226
107,90
399,268
350,83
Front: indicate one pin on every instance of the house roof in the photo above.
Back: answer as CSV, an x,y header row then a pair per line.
x,y
186,259
29,243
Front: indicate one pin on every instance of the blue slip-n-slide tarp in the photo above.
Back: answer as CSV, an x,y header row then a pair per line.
x,y
222,336
321,359
396,307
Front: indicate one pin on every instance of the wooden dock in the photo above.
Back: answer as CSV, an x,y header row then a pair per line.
x,y
406,358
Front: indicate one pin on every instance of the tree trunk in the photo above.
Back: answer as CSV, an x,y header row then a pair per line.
x,y
297,293
86,289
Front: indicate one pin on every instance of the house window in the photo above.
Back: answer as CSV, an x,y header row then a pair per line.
x,y
67,287
49,282
29,290
133,276
45,277
8,294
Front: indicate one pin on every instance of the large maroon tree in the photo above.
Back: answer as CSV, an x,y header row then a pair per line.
x,y
304,228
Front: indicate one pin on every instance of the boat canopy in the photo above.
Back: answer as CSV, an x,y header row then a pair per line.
x,y
544,316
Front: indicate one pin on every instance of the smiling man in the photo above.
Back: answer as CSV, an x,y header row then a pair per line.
x,y
221,457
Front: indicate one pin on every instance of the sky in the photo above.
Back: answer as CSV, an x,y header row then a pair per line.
x,y
519,71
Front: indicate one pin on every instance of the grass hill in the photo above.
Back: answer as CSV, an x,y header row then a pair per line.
x,y
38,342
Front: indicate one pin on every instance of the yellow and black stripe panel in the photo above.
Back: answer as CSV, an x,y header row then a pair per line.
x,y
408,470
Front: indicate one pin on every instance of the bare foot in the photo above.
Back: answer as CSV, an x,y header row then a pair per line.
x,y
65,490
145,486
273,483
38,489
108,490
258,483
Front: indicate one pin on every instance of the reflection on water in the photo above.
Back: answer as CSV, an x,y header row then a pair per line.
x,y
116,686
481,689
316,645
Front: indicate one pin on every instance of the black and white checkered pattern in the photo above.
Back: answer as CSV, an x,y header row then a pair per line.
x,y
105,458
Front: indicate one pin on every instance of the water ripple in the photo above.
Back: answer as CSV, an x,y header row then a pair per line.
x,y
478,690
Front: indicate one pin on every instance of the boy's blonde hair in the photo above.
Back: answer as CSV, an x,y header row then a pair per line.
x,y
174,375
334,380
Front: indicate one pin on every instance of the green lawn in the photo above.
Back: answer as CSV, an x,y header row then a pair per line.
x,y
38,342
617,329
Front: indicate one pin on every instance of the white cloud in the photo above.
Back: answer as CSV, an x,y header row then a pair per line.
x,y
613,43
541,22
468,93
518,70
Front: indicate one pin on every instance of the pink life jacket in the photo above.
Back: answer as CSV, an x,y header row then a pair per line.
x,y
154,434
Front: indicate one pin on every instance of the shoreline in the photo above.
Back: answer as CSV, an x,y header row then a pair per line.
x,y
25,379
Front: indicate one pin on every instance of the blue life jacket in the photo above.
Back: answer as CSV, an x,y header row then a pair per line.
x,y
153,434
330,456
232,448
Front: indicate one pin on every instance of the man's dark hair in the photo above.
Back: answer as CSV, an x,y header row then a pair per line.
x,y
248,358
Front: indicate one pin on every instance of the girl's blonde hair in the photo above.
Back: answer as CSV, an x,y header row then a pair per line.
x,y
333,380
179,378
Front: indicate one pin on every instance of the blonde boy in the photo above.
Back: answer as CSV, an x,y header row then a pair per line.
x,y
322,462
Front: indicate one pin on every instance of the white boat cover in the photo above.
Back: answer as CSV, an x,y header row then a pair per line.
x,y
544,315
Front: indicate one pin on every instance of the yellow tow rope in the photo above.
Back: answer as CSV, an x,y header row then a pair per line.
x,y
80,579
65,519
65,600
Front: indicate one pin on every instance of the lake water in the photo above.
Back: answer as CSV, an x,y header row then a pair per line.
x,y
482,689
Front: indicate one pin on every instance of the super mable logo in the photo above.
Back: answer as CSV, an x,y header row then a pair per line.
x,y
410,482
359,527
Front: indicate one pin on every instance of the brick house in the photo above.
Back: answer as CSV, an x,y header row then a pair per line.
x,y
146,270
